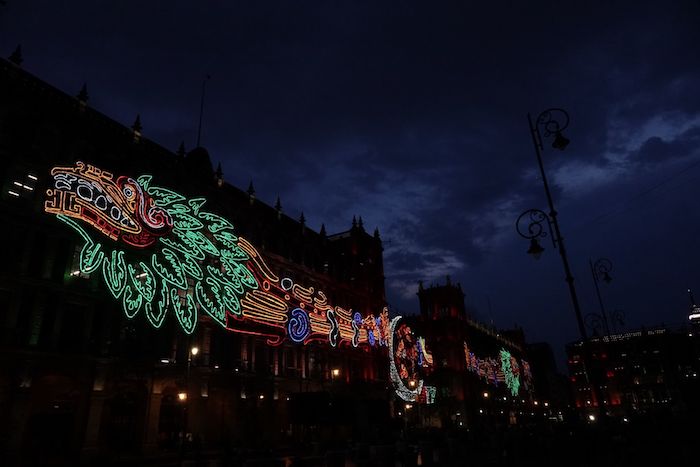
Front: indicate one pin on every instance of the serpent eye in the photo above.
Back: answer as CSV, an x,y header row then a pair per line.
x,y
128,192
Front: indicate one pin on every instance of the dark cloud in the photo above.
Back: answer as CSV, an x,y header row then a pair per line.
x,y
656,150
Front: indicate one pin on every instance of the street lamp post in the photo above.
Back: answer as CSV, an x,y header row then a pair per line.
x,y
608,320
335,378
540,224
184,397
192,353
599,270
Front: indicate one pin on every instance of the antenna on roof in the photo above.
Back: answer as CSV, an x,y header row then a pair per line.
x,y
201,109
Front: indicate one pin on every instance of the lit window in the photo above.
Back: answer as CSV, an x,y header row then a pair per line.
x,y
21,186
75,265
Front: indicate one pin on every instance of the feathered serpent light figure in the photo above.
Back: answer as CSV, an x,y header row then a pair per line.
x,y
160,253
167,254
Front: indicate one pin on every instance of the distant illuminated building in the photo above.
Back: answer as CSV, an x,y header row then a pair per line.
x,y
642,371
636,369
483,374
694,315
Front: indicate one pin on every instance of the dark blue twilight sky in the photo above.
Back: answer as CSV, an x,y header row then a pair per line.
x,y
413,116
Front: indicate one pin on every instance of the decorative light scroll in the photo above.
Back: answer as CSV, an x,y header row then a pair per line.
x,y
511,372
408,360
298,327
502,370
161,253
526,374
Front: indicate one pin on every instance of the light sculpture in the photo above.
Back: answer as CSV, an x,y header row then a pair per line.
x,y
526,375
504,369
511,372
408,358
160,253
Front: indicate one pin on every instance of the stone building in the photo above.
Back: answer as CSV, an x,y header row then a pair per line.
x,y
483,375
641,372
80,380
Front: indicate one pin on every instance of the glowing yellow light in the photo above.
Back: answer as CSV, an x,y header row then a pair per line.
x,y
261,396
486,395
182,396
302,293
336,372
195,351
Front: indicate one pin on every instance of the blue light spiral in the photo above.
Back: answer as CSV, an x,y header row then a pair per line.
x,y
298,326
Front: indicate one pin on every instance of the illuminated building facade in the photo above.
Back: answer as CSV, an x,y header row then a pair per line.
x,y
694,314
644,372
482,376
143,297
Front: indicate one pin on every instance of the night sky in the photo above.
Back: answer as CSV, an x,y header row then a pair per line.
x,y
413,115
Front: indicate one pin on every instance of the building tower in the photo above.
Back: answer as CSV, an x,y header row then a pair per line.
x,y
694,315
444,301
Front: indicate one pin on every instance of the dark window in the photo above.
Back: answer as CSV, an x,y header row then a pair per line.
x,y
261,360
121,422
48,323
61,257
4,308
170,422
72,332
37,255
24,318
95,341
12,253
